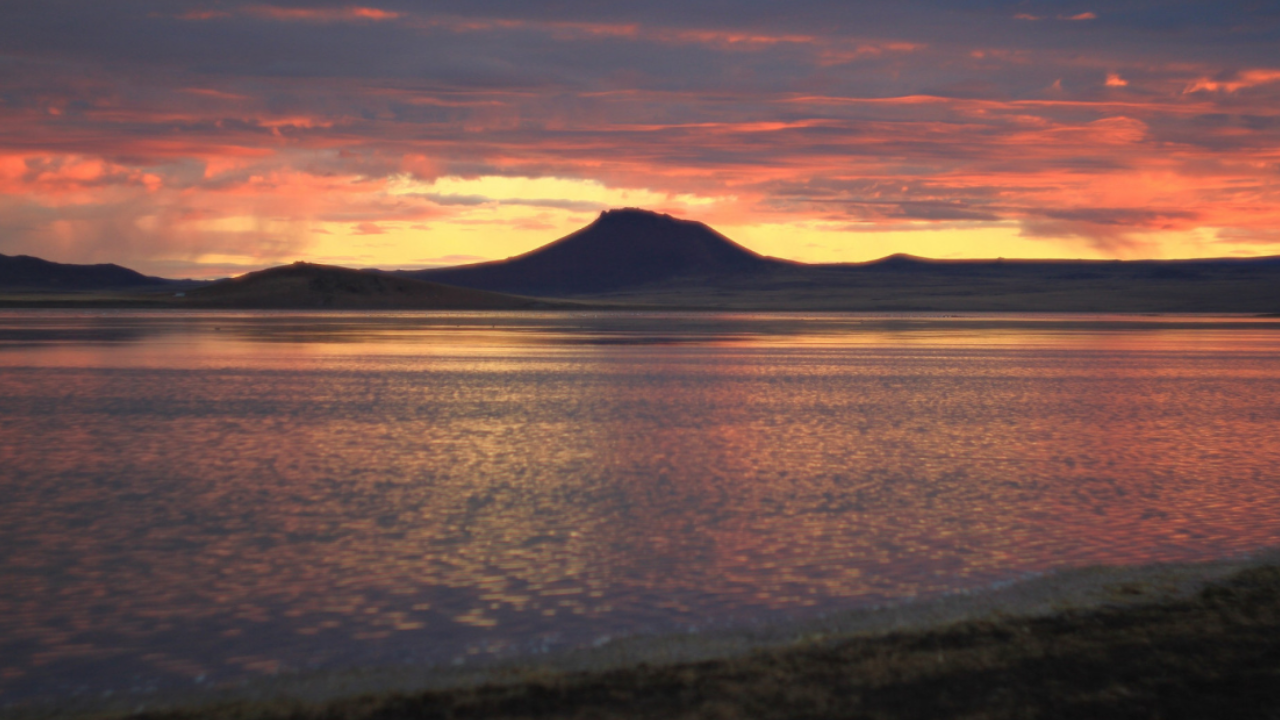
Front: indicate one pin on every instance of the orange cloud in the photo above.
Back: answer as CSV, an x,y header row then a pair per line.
x,y
368,228
1079,16
218,94
203,15
1241,80
765,130
839,55
726,38
353,12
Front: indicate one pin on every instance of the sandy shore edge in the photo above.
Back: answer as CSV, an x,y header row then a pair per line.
x,y
1056,593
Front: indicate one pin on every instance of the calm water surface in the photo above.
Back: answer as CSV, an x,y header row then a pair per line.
x,y
215,496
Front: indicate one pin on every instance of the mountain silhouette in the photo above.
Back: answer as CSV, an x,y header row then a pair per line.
x,y
309,286
622,249
635,258
26,273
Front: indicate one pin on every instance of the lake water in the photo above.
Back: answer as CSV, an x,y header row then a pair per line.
x,y
209,497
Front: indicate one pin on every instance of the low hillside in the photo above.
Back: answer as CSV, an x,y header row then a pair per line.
x,y
622,249
641,258
306,286
902,283
23,273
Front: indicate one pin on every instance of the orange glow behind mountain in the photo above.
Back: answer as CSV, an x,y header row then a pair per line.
x,y
208,140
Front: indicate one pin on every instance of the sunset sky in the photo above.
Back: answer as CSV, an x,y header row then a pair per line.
x,y
200,139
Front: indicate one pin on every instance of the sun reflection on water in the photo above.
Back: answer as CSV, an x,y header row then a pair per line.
x,y
225,494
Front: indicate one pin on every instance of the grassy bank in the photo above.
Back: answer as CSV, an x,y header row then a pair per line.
x,y
1213,655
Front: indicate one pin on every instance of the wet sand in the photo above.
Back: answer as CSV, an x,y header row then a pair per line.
x,y
1187,640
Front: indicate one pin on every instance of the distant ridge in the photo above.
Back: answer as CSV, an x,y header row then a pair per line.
x,y
306,286
907,262
622,249
28,274
639,259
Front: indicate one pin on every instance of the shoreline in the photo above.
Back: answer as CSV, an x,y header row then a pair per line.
x,y
875,652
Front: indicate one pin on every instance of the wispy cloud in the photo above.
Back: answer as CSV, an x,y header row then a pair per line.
x,y
296,14
1234,81
1076,16
262,131
368,228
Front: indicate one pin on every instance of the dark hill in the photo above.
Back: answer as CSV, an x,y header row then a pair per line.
x,y
621,249
307,286
32,274
904,283
635,257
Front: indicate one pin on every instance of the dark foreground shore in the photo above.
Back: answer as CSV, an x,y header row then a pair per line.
x,y
1213,654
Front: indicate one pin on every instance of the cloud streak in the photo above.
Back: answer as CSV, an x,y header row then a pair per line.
x,y
162,134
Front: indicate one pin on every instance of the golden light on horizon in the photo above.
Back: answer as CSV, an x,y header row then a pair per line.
x,y
410,137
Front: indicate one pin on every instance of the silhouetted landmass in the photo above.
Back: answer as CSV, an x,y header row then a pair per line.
x,y
635,258
903,283
32,274
622,249
302,286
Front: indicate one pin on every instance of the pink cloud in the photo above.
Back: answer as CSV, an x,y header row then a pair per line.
x,y
218,94
368,228
118,166
1238,81
349,13
203,15
1250,236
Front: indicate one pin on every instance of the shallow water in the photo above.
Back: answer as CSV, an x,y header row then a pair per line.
x,y
208,497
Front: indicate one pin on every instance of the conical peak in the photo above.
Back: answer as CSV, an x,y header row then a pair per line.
x,y
639,212
634,215
643,236
623,248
